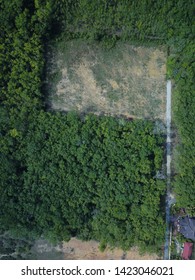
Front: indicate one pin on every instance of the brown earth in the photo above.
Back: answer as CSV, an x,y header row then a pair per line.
x,y
85,250
79,250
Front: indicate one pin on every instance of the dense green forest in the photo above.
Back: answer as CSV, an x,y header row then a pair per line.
x,y
63,175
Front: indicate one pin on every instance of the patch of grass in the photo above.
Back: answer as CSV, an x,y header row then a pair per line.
x,y
55,77
123,81
113,95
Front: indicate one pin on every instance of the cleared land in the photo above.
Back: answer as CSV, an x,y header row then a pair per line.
x,y
85,250
78,250
126,81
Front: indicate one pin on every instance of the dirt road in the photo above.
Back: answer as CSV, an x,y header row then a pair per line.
x,y
169,198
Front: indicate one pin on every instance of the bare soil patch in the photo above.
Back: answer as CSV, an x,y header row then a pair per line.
x,y
125,81
85,250
79,250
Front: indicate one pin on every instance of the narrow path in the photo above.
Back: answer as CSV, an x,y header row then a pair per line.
x,y
169,200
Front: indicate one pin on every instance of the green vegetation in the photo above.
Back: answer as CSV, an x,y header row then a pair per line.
x,y
64,176
14,248
182,66
93,178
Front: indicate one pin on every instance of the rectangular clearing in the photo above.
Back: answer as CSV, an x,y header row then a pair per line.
x,y
126,81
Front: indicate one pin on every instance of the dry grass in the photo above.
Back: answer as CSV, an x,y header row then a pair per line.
x,y
126,81
79,250
85,250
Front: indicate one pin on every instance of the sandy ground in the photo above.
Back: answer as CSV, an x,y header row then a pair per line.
x,y
85,250
78,250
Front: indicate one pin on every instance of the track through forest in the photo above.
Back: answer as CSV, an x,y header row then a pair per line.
x,y
169,198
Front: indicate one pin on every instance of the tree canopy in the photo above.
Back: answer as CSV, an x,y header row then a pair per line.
x,y
91,177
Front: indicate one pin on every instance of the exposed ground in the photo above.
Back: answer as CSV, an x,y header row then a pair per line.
x,y
125,81
79,250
